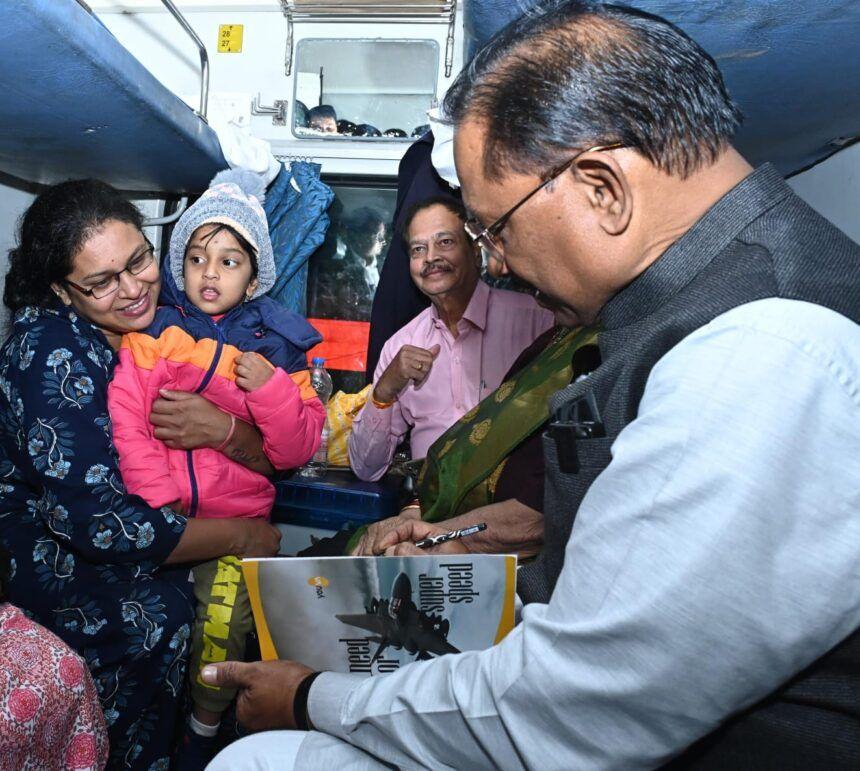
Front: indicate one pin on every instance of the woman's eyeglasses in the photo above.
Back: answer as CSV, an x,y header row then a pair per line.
x,y
108,285
487,238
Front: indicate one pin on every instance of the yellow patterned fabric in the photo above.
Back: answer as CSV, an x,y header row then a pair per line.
x,y
341,410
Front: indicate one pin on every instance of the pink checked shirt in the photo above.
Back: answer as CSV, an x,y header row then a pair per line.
x,y
496,327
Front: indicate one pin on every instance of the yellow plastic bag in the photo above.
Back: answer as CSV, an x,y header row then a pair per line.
x,y
342,409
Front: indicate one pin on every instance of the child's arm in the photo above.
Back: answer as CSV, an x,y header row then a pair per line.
x,y
143,460
285,409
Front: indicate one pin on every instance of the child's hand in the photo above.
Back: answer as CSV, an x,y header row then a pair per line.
x,y
252,371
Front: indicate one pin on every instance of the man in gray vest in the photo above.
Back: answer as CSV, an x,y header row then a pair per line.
x,y
697,603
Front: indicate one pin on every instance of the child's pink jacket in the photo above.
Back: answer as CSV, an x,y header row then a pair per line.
x,y
285,410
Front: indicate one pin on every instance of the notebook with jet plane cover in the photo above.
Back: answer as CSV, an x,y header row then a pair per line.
x,y
371,615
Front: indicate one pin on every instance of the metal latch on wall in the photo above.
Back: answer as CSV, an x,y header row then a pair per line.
x,y
278,110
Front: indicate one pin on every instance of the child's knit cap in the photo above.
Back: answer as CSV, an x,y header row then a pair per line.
x,y
234,198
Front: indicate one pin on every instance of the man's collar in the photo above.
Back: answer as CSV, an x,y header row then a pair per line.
x,y
688,256
476,310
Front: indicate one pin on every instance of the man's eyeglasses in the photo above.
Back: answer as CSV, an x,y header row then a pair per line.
x,y
108,285
486,238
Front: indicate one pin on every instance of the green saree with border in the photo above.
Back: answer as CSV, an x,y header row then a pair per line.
x,y
463,465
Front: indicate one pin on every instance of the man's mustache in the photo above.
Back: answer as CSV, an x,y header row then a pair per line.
x,y
435,265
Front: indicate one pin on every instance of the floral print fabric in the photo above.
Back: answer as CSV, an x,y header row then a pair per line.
x,y
86,554
50,717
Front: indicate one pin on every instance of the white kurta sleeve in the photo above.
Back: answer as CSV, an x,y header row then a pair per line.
x,y
713,559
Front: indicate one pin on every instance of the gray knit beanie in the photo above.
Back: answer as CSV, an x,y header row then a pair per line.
x,y
234,198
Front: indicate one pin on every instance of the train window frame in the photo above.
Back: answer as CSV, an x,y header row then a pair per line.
x,y
433,94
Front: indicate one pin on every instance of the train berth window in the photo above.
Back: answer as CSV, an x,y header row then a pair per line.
x,y
367,90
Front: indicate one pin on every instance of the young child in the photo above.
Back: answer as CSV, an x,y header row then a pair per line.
x,y
221,338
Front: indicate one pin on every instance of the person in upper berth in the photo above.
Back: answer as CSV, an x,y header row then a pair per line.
x,y
323,118
224,339
449,357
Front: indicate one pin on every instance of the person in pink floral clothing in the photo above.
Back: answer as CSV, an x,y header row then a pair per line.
x,y
50,717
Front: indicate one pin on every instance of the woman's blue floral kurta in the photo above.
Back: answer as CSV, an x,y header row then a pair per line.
x,y
87,554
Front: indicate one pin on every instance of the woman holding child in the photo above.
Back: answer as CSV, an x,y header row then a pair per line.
x,y
98,566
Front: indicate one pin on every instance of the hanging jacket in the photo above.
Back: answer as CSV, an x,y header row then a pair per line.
x,y
295,206
186,350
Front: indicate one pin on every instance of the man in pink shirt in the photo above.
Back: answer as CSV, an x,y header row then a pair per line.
x,y
450,356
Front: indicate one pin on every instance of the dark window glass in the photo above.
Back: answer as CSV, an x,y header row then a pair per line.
x,y
344,272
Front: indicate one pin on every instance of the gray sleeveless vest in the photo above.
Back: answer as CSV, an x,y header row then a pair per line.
x,y
758,241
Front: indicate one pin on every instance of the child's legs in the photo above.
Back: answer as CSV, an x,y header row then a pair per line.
x,y
223,622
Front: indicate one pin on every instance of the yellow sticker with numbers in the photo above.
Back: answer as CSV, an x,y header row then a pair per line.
x,y
230,38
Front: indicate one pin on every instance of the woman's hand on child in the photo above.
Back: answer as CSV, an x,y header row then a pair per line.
x,y
252,371
186,421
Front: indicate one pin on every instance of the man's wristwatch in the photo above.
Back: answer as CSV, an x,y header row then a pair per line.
x,y
300,702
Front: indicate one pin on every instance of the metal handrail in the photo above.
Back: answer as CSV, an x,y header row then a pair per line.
x,y
449,42
204,57
204,102
167,219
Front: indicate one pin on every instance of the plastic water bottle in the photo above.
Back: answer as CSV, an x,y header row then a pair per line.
x,y
321,381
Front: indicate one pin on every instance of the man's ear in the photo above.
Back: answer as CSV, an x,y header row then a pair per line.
x,y
608,189
62,293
